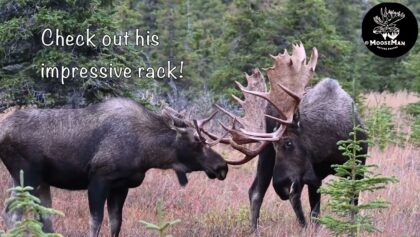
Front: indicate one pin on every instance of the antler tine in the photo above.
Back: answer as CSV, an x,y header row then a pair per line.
x,y
214,137
228,114
174,112
202,122
198,131
249,154
314,59
291,93
170,109
238,100
253,107
266,95
221,139
199,125
272,137
237,136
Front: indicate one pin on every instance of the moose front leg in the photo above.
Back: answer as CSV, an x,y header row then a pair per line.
x,y
314,201
98,191
115,202
295,194
260,185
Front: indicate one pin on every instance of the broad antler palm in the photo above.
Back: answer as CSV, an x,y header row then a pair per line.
x,y
288,77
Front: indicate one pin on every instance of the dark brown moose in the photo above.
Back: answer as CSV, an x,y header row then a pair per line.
x,y
105,148
293,130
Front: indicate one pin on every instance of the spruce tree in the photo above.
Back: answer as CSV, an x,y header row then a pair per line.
x,y
22,52
249,37
32,211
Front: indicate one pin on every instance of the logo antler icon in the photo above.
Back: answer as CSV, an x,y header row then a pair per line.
x,y
387,22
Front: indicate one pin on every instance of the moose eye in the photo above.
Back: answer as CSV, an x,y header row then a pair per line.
x,y
288,145
197,144
197,139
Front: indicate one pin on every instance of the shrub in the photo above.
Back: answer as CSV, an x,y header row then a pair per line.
x,y
380,126
414,111
415,131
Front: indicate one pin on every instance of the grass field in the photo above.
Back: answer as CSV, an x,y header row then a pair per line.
x,y
221,208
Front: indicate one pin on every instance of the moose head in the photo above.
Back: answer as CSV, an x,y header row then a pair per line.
x,y
194,152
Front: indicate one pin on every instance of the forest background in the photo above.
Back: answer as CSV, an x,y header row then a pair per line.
x,y
218,41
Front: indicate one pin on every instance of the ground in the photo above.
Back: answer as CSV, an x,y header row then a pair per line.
x,y
221,208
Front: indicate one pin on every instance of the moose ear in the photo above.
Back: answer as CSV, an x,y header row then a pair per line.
x,y
182,178
168,119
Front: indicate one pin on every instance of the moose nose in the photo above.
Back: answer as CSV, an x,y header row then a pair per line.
x,y
282,187
222,171
222,174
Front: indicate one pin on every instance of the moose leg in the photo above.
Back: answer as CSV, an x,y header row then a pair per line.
x,y
115,202
314,201
261,182
44,194
97,193
295,194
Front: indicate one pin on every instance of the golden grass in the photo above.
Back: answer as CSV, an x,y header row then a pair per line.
x,y
393,100
221,208
216,208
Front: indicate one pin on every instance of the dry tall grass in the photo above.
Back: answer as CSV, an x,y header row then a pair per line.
x,y
216,208
393,100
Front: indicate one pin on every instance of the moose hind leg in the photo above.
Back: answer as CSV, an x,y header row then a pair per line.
x,y
97,193
44,193
115,202
260,185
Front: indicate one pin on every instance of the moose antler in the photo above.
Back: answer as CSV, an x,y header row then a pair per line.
x,y
288,78
252,105
179,118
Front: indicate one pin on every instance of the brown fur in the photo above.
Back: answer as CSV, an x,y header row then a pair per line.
x,y
105,148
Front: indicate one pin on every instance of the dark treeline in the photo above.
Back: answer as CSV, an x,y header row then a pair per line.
x,y
217,40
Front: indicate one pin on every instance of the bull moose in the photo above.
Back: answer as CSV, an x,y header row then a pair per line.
x,y
105,148
294,130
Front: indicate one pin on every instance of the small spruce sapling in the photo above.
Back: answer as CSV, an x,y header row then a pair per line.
x,y
354,178
32,211
162,225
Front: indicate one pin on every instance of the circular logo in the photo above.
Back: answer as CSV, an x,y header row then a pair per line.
x,y
389,30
